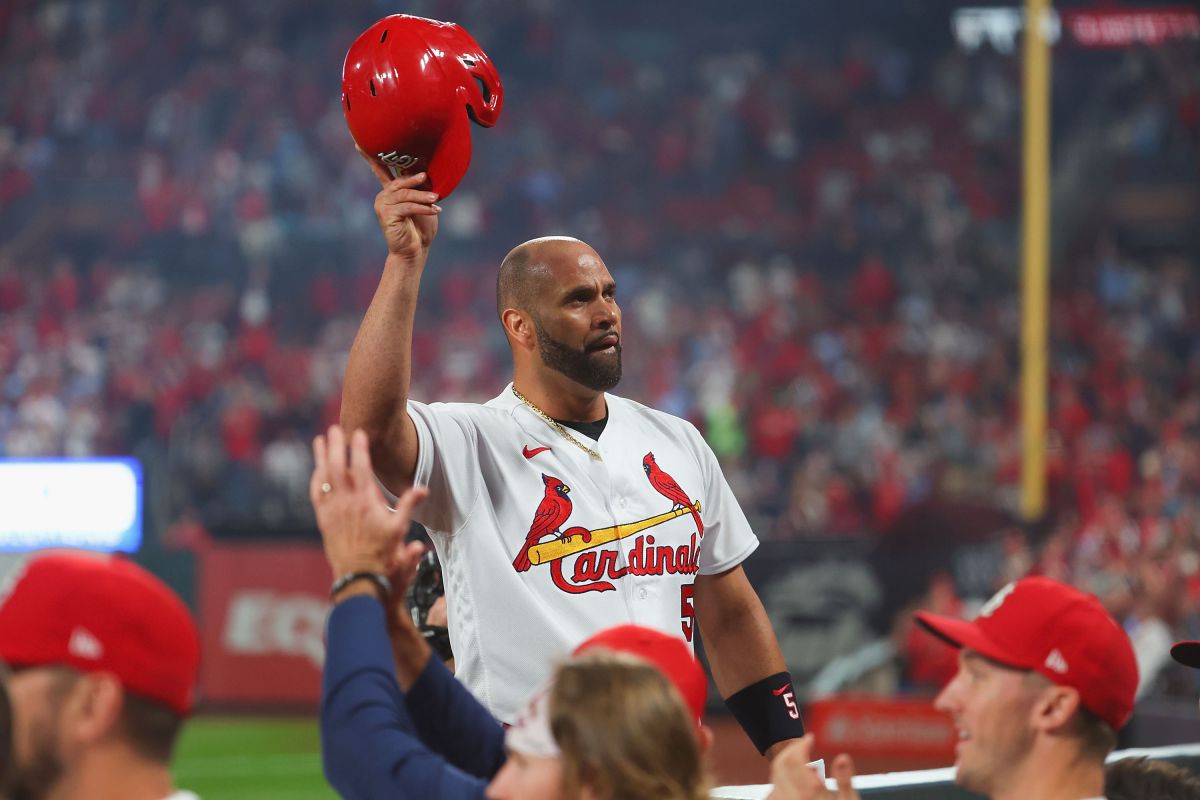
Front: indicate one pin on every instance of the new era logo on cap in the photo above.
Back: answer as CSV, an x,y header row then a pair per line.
x,y
83,644
1056,662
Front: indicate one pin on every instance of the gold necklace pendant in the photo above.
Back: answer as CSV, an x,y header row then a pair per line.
x,y
558,426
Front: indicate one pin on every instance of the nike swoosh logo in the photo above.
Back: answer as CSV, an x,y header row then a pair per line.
x,y
780,690
525,451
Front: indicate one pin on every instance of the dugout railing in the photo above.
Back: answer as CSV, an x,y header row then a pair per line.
x,y
938,784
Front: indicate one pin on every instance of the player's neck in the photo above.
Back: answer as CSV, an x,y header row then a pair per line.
x,y
559,396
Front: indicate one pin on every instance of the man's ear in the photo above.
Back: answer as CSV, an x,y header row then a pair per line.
x,y
1054,708
518,325
93,707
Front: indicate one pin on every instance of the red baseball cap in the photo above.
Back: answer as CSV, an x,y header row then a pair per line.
x,y
1186,653
669,653
101,614
1057,631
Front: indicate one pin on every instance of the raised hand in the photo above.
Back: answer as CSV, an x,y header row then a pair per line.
x,y
360,532
407,214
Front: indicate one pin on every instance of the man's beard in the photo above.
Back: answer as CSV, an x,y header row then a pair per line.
x,y
34,777
36,772
597,371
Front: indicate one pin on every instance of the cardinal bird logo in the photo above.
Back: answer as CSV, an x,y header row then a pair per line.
x,y
578,561
665,485
552,512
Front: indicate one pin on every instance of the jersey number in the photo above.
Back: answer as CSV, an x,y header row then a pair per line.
x,y
687,612
790,701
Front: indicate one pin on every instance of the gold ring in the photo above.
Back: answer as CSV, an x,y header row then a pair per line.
x,y
326,488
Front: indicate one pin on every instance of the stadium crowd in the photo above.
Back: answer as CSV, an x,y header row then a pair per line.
x,y
814,240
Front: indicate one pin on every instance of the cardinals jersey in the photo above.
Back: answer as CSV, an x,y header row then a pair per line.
x,y
542,546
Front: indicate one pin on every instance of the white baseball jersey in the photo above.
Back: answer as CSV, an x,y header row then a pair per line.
x,y
542,546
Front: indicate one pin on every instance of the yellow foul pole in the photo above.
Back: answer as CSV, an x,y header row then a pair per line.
x,y
1035,254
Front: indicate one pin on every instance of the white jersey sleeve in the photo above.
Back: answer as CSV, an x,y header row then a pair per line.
x,y
447,463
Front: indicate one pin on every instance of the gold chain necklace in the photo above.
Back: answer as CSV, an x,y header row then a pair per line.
x,y
558,426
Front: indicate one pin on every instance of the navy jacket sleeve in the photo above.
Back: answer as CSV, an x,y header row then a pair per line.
x,y
451,721
368,742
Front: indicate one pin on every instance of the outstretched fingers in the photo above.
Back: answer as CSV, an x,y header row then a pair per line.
x,y
360,470
407,503
403,568
336,473
320,471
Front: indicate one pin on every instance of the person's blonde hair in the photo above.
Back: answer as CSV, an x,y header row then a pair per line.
x,y
624,731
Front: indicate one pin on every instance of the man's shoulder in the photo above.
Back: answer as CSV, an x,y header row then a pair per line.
x,y
498,407
661,418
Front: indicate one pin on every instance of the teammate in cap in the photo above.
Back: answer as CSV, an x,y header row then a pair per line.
x,y
100,661
558,508
1045,680
621,718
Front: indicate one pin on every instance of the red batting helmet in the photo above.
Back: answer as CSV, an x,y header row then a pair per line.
x,y
409,85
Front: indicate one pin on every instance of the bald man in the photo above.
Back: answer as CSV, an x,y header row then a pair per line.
x,y
557,508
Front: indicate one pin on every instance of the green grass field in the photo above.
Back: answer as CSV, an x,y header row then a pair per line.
x,y
249,758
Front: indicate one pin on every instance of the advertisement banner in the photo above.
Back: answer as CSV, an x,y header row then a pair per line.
x,y
883,733
262,616
1127,27
1001,27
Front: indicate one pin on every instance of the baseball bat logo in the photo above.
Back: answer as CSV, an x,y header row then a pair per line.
x,y
548,541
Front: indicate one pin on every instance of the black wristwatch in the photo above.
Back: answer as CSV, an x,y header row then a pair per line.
x,y
380,581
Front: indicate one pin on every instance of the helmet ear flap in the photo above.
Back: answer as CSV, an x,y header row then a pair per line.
x,y
484,94
480,89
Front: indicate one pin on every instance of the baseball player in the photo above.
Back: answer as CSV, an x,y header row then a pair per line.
x,y
100,660
558,509
1045,680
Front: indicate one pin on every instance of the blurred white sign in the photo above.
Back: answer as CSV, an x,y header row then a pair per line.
x,y
999,26
95,504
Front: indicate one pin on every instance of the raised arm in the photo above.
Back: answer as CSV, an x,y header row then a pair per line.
x,y
369,745
375,391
